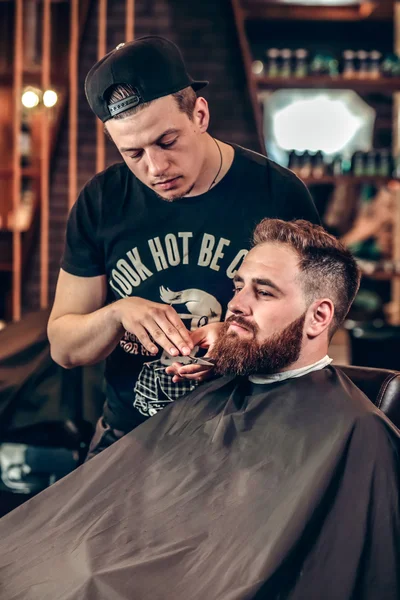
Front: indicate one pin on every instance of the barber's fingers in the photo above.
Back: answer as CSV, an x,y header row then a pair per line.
x,y
154,322
168,331
146,341
178,368
182,332
192,372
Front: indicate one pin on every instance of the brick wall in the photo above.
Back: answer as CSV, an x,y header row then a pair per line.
x,y
206,34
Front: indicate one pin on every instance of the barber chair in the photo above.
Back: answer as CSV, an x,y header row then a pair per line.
x,y
44,431
381,386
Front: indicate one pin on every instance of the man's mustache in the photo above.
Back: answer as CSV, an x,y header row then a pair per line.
x,y
238,320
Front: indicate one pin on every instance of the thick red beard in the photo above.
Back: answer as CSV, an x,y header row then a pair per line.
x,y
233,355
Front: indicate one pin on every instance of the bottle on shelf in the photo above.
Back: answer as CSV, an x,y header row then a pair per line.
x,y
337,165
349,69
357,164
301,67
374,163
317,66
395,66
374,64
384,166
360,64
363,66
347,162
273,55
318,165
295,161
332,66
305,170
388,66
370,162
396,167
286,68
291,160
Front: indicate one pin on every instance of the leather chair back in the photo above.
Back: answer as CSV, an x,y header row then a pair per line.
x,y
381,386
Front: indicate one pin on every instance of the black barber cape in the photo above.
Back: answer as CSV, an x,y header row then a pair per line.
x,y
238,491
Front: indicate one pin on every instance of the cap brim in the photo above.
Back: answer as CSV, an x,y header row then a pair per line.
x,y
198,85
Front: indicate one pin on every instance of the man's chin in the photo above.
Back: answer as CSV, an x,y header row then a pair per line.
x,y
175,194
168,197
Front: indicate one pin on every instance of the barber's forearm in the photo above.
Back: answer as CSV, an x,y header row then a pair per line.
x,y
84,339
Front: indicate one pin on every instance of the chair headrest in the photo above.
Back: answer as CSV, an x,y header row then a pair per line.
x,y
382,386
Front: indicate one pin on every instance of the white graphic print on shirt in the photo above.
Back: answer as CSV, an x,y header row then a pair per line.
x,y
154,388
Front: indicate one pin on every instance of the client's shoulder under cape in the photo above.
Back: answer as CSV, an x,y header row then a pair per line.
x,y
286,492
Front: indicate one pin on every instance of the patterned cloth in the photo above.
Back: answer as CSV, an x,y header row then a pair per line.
x,y
154,389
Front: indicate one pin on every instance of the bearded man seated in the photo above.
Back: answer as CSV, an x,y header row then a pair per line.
x,y
276,480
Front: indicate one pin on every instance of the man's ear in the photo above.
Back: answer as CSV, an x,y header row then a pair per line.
x,y
201,114
319,317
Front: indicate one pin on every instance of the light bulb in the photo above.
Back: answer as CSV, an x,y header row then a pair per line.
x,y
50,98
30,99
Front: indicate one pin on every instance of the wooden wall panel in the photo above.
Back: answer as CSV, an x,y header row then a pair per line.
x,y
45,160
17,89
73,104
101,51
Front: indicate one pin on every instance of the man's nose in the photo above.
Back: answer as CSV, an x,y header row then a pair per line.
x,y
240,304
157,163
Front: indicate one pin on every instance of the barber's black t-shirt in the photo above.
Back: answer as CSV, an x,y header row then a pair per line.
x,y
184,253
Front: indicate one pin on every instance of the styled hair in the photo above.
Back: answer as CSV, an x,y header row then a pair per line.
x,y
328,269
185,99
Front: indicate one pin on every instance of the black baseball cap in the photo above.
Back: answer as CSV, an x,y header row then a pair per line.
x,y
152,65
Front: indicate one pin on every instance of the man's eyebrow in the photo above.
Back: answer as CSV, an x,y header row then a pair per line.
x,y
157,141
266,282
237,278
260,281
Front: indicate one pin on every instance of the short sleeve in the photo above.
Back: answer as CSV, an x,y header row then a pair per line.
x,y
298,202
83,255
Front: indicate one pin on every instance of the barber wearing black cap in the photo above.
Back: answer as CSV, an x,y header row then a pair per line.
x,y
153,242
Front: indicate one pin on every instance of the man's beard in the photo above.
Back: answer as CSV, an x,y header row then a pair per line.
x,y
232,354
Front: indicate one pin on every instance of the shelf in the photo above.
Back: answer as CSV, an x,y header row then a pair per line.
x,y
383,270
382,85
275,10
333,179
380,276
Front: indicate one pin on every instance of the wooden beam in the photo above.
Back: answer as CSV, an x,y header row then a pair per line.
x,y
45,160
384,85
17,89
130,21
101,51
73,104
247,61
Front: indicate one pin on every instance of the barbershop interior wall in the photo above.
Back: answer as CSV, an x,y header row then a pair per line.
x,y
206,34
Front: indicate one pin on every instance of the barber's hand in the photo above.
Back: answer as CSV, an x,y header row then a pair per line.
x,y
204,337
153,322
